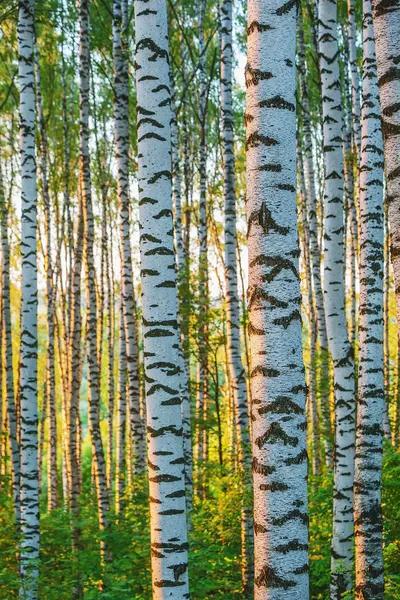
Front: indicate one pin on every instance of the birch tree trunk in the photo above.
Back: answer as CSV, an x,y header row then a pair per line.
x,y
121,127
7,326
93,366
386,20
314,249
29,548
355,80
160,306
121,422
74,360
237,373
334,300
182,275
50,297
277,372
368,457
202,368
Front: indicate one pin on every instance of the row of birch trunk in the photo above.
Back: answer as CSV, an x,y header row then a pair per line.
x,y
174,383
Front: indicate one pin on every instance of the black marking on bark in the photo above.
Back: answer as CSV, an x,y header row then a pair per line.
x,y
262,469
159,175
298,459
277,102
149,44
269,579
163,430
286,8
259,294
254,76
275,434
291,546
255,139
158,333
256,26
282,405
264,371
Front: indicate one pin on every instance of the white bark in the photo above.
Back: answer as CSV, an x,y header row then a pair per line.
x,y
160,306
334,300
7,327
314,249
237,379
121,422
368,457
93,365
29,548
386,19
277,372
355,80
121,127
202,369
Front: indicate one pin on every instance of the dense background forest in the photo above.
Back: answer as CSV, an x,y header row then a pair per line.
x,y
200,269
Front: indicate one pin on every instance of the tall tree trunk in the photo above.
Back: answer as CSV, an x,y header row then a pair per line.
x,y
121,422
334,299
160,306
315,250
93,366
202,367
312,406
277,372
7,327
50,296
355,80
368,457
386,335
236,368
30,540
181,261
121,125
386,20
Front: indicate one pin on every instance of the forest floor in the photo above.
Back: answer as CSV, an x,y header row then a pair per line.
x,y
215,570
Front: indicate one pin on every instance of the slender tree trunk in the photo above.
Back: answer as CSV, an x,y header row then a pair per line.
x,y
160,306
93,366
30,541
121,422
202,368
386,339
236,368
313,416
355,80
315,250
277,373
334,299
182,287
9,380
121,125
368,457
386,20
50,296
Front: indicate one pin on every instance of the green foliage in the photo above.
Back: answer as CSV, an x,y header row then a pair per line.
x,y
215,549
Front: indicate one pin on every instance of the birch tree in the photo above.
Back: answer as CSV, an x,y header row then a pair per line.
x,y
160,306
334,301
386,20
368,457
202,369
277,373
30,540
237,372
93,366
6,317
121,128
